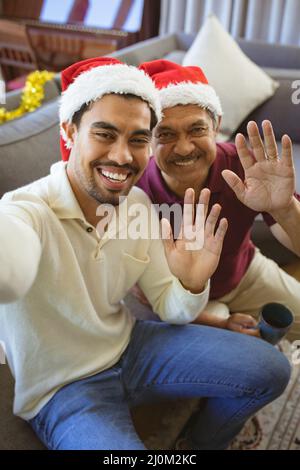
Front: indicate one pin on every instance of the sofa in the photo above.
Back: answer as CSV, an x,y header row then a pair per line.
x,y
21,140
282,63
30,145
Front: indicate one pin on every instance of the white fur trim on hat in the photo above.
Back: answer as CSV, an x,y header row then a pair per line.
x,y
99,81
191,93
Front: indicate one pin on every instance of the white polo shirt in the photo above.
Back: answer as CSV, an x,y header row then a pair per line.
x,y
62,316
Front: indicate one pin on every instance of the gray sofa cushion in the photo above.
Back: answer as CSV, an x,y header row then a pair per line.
x,y
15,434
28,147
269,246
51,89
175,56
271,55
296,151
151,49
278,73
280,109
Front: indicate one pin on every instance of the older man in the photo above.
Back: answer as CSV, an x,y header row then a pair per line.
x,y
289,219
79,359
187,155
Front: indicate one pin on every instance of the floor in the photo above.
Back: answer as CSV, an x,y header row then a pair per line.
x,y
293,269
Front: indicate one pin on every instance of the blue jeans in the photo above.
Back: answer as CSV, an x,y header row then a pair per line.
x,y
238,374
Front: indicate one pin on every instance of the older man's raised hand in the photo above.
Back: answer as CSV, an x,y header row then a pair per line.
x,y
269,182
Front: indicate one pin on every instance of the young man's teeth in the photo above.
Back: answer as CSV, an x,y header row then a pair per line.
x,y
114,176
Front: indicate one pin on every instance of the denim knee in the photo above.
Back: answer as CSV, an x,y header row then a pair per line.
x,y
282,372
274,371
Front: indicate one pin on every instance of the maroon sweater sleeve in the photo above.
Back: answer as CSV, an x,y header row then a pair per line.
x,y
269,219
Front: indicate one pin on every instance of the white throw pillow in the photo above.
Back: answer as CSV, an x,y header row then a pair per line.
x,y
240,84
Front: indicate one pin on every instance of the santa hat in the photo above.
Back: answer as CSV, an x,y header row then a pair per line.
x,y
91,79
182,85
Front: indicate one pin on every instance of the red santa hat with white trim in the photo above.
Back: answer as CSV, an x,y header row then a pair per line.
x,y
182,85
89,80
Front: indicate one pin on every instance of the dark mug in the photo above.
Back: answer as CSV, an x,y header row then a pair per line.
x,y
275,321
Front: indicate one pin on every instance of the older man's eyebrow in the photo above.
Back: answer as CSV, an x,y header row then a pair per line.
x,y
200,122
104,125
164,129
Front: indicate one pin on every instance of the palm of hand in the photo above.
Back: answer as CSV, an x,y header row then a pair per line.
x,y
204,260
268,185
210,254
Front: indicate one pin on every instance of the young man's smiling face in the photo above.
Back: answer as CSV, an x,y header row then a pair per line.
x,y
110,149
184,144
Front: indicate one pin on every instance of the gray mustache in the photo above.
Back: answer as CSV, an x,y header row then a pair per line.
x,y
179,158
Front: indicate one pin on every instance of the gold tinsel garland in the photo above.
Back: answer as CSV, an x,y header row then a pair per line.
x,y
32,95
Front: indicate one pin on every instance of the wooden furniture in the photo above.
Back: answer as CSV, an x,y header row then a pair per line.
x,y
56,49
17,56
56,45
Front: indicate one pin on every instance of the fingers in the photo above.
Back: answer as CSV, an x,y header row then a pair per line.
x,y
212,219
271,146
256,142
202,209
188,207
235,183
270,141
204,199
167,235
250,332
253,331
221,230
210,224
287,151
244,320
243,152
263,150
242,323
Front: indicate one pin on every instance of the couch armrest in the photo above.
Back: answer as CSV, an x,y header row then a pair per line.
x,y
279,109
184,40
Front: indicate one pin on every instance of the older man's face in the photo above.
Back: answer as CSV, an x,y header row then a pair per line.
x,y
110,148
184,143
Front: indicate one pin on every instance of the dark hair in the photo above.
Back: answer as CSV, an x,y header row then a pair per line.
x,y
76,119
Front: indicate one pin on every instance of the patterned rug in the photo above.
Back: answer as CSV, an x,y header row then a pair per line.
x,y
277,426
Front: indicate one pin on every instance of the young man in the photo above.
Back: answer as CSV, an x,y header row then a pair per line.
x,y
187,155
79,359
